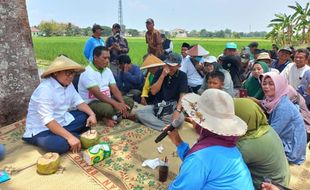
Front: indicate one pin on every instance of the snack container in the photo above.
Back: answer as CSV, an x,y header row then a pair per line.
x,y
97,153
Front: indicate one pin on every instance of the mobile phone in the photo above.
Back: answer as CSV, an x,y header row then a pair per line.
x,y
243,92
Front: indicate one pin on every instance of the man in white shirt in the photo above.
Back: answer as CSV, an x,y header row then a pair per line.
x,y
49,124
193,67
294,72
97,85
185,46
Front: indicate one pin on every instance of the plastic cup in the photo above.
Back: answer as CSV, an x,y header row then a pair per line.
x,y
163,173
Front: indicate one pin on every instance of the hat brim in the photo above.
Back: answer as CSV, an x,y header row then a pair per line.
x,y
233,126
173,64
48,72
152,65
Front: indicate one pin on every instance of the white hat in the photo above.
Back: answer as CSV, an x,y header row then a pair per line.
x,y
214,110
263,56
210,59
197,50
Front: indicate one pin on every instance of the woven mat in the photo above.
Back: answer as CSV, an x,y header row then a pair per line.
x,y
131,143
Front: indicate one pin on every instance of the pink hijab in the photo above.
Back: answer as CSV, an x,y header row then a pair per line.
x,y
281,89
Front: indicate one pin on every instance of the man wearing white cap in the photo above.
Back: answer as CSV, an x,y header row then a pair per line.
x,y
169,85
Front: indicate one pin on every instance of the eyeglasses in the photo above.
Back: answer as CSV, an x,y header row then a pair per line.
x,y
69,73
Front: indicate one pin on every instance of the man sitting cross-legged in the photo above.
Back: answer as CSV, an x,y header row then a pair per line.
x,y
168,86
97,85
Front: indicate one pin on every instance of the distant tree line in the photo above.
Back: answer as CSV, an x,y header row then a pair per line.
x,y
227,33
53,28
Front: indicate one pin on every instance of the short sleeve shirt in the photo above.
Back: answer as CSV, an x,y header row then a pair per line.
x,y
92,77
172,86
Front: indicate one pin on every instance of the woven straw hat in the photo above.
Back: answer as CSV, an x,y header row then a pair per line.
x,y
62,63
214,110
197,50
151,61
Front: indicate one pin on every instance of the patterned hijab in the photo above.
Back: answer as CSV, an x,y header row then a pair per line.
x,y
254,116
281,89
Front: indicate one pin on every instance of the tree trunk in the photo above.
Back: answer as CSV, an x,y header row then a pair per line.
x,y
18,71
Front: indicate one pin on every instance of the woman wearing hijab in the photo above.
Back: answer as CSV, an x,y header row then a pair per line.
x,y
284,117
252,84
261,147
210,65
50,124
304,87
300,103
214,162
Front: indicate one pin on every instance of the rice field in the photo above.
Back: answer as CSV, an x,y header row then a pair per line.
x,y
47,48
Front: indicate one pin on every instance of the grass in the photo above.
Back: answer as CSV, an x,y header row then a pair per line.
x,y
47,48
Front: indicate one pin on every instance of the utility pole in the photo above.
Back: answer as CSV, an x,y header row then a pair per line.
x,y
120,17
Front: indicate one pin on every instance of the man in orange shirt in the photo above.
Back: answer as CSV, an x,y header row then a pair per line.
x,y
153,39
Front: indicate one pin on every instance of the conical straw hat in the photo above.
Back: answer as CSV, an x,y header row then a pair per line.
x,y
151,61
62,63
197,50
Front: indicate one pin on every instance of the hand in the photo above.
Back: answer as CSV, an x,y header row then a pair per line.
x,y
308,89
75,144
165,72
126,68
199,67
269,186
122,107
91,121
143,101
174,136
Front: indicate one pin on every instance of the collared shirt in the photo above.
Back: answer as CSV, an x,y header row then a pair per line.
x,y
122,42
90,45
193,77
275,64
184,59
50,101
171,87
225,169
153,39
92,77
294,74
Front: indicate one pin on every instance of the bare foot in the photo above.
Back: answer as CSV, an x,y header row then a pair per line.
x,y
131,117
109,122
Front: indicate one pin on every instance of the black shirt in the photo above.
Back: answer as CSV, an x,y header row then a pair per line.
x,y
232,64
172,86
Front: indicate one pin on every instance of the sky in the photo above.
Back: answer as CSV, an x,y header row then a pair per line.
x,y
212,15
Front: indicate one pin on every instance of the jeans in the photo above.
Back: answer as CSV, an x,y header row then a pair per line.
x,y
146,116
51,142
2,151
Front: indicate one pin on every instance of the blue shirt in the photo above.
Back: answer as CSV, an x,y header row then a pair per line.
x,y
215,167
133,79
286,120
90,45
